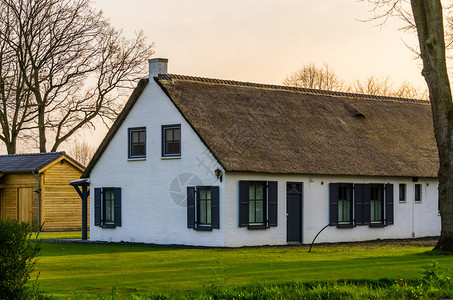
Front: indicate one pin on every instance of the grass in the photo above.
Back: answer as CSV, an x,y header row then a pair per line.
x,y
58,235
83,270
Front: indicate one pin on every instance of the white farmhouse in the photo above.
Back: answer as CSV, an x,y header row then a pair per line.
x,y
209,162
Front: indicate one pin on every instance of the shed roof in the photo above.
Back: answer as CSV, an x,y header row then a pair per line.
x,y
276,129
32,162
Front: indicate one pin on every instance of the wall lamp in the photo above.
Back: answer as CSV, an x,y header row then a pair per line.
x,y
218,174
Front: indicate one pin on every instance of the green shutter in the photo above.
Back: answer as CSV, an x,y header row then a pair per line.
x,y
215,222
366,204
190,207
117,207
333,203
389,203
243,203
358,202
97,206
272,199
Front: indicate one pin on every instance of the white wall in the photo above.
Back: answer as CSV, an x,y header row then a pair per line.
x,y
410,219
154,190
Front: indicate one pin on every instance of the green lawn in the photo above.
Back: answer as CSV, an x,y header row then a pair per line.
x,y
71,270
59,235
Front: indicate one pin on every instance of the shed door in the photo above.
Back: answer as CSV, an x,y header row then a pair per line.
x,y
24,205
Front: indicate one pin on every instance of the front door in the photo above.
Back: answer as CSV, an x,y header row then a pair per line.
x,y
294,212
24,205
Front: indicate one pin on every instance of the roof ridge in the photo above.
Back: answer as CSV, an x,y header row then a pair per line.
x,y
30,154
290,88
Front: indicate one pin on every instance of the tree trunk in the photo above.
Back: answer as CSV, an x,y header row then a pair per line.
x,y
42,127
429,22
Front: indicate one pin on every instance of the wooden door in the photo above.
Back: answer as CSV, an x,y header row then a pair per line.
x,y
24,205
294,212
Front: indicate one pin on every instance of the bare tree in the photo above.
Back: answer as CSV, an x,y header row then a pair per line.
x,y
82,152
324,78
314,77
384,87
427,17
71,61
15,98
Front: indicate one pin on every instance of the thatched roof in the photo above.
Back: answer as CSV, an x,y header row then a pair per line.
x,y
275,129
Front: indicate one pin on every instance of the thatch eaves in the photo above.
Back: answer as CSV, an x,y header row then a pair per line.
x,y
275,129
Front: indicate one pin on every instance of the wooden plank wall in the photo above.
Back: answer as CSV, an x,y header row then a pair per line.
x,y
9,185
62,208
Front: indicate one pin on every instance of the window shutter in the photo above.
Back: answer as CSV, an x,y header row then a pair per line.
x,y
333,201
190,207
389,203
358,197
97,206
117,208
272,197
366,204
243,203
215,222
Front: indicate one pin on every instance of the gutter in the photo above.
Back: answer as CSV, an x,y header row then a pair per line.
x,y
38,192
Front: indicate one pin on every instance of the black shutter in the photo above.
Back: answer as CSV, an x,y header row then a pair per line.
x,y
358,198
243,203
215,222
97,206
333,201
272,197
190,207
366,204
389,203
117,199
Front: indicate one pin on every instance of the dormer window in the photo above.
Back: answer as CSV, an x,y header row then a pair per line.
x,y
137,142
171,140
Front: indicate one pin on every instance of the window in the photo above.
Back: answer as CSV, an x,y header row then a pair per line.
x,y
345,204
171,140
257,204
137,142
377,203
361,204
107,207
418,192
203,207
402,192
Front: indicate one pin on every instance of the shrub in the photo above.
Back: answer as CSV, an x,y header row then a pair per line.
x,y
17,260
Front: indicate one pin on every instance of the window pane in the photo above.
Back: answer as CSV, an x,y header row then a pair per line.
x,y
259,192
142,136
259,211
177,134
208,212
202,194
208,194
109,205
252,212
203,216
169,134
376,211
134,136
402,192
252,192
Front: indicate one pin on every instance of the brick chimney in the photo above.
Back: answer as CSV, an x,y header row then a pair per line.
x,y
157,66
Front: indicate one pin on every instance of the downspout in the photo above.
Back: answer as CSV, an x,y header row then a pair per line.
x,y
38,192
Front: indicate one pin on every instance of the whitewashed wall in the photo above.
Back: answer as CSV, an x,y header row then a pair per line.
x,y
411,219
154,189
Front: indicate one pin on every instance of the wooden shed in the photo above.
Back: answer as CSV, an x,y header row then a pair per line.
x,y
35,188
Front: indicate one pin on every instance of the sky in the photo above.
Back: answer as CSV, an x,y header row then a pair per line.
x,y
266,40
